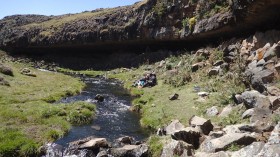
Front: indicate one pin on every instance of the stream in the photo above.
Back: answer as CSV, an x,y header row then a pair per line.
x,y
113,117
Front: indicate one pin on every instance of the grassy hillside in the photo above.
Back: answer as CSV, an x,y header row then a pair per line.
x,y
27,116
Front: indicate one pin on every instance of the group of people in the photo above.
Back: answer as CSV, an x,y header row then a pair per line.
x,y
149,80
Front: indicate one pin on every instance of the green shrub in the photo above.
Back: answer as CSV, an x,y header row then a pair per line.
x,y
53,135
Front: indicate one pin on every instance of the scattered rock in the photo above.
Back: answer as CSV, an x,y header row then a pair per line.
x,y
273,91
102,154
203,94
226,111
218,63
99,98
253,99
27,72
237,98
261,63
202,52
274,102
6,70
177,148
189,135
218,154
214,71
272,147
130,150
251,150
270,53
237,128
94,143
277,67
204,125
218,144
213,111
248,113
197,66
174,126
125,140
173,97
261,120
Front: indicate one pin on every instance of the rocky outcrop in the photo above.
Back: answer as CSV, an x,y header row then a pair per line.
x,y
149,20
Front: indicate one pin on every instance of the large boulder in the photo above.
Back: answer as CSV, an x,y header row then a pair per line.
x,y
6,70
248,113
204,125
254,99
130,151
177,148
262,120
221,143
272,147
251,150
175,125
189,135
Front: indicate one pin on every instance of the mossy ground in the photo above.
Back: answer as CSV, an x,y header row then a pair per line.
x,y
28,118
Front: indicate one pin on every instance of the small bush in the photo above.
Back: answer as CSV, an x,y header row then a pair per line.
x,y
53,135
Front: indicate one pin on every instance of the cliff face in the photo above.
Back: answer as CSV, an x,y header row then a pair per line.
x,y
145,22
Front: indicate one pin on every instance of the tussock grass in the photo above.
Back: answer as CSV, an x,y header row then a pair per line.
x,y
28,119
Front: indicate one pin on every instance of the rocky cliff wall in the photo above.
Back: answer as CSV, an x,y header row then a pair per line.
x,y
146,23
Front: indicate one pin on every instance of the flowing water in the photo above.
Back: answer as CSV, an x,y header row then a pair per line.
x,y
113,118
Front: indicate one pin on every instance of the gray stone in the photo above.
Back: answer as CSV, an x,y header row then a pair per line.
x,y
213,111
248,113
226,111
102,154
218,63
251,150
274,91
270,53
277,67
174,126
261,63
272,147
202,52
218,144
274,102
217,154
189,135
177,148
130,150
237,98
253,99
237,128
204,125
262,120
214,71
27,72
173,97
94,143
197,66
125,140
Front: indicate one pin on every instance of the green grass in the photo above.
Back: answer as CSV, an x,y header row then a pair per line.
x,y
155,145
28,119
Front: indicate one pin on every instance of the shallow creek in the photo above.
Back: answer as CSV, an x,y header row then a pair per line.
x,y
113,117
